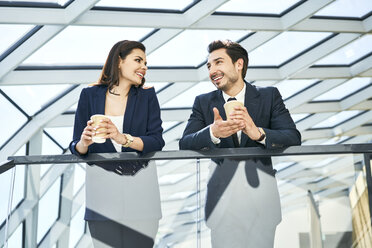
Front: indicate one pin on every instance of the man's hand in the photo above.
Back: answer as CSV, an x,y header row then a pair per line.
x,y
250,128
223,129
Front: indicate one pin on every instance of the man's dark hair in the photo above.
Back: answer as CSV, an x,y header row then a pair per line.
x,y
234,50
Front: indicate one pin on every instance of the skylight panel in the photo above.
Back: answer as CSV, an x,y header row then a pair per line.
x,y
63,135
298,117
83,45
337,119
10,35
288,88
349,53
31,98
343,90
186,99
189,48
257,7
346,8
61,3
14,120
168,124
146,4
284,47
157,86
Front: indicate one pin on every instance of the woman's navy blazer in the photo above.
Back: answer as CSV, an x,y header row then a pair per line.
x,y
141,119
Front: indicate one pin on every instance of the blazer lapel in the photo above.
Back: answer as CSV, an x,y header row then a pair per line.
x,y
131,104
218,102
251,102
101,100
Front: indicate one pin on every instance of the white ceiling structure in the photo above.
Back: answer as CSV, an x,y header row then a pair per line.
x,y
317,52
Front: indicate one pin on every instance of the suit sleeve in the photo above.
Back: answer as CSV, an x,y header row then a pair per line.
x,y
153,139
196,135
81,118
282,131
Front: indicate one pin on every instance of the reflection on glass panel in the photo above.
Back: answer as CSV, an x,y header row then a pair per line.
x,y
63,135
146,4
32,98
59,2
79,178
86,45
284,47
337,119
48,148
48,209
253,6
16,240
157,86
298,117
288,88
13,116
186,99
176,52
349,53
77,227
344,90
346,8
11,34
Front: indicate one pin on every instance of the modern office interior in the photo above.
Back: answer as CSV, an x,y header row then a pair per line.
x,y
318,53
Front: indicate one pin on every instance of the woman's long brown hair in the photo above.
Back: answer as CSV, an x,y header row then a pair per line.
x,y
110,72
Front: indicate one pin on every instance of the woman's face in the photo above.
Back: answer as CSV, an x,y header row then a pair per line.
x,y
133,68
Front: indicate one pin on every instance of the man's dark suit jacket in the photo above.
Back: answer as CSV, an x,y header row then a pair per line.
x,y
266,107
141,119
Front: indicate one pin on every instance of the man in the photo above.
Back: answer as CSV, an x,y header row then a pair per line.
x,y
243,206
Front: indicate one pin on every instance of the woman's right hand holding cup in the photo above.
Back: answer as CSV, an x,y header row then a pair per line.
x,y
86,138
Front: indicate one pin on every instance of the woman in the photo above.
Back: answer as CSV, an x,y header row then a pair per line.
x,y
122,199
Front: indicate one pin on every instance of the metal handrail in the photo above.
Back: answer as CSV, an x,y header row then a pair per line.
x,y
232,153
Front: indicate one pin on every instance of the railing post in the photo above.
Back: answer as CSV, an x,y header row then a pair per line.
x,y
198,205
10,201
367,163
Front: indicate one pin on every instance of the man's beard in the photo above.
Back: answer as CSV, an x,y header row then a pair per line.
x,y
231,80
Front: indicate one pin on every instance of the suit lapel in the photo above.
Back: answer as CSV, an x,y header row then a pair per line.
x,y
251,102
131,104
218,102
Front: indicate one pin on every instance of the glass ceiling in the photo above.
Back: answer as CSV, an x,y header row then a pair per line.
x,y
146,4
57,2
337,119
346,8
13,116
349,53
257,7
343,90
284,47
86,45
31,98
83,44
11,34
288,88
189,48
186,99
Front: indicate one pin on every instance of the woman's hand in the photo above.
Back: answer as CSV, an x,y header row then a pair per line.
x,y
85,139
111,131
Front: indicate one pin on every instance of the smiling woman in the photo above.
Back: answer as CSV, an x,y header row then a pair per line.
x,y
122,202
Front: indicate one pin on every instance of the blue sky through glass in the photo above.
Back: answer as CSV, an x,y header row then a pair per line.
x,y
146,4
346,8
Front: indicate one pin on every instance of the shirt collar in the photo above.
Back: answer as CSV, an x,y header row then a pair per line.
x,y
239,97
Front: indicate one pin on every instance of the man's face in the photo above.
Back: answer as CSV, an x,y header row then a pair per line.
x,y
222,71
